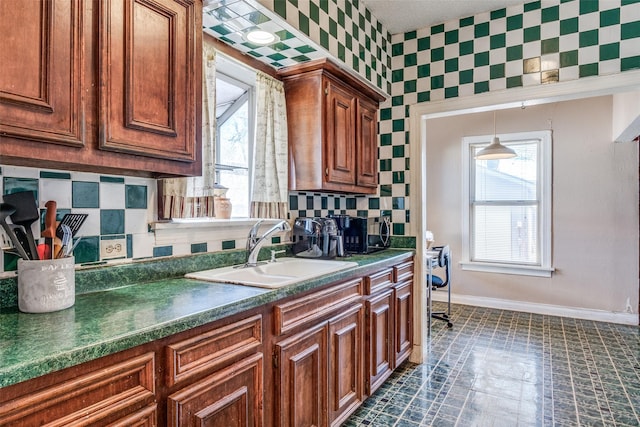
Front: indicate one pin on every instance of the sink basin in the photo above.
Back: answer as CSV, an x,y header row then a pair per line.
x,y
285,271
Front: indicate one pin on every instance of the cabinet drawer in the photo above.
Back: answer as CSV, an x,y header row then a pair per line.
x,y
213,349
289,315
97,398
402,272
378,281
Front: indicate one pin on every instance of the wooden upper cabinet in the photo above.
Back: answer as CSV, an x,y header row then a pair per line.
x,y
40,71
332,127
147,64
106,87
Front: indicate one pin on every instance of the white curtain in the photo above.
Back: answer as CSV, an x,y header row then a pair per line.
x,y
192,197
270,176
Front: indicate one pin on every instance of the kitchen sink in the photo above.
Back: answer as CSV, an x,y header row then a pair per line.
x,y
283,272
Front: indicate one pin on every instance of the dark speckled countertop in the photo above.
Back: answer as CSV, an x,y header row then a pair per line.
x,y
106,321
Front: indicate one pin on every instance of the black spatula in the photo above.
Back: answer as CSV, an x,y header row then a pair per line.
x,y
26,214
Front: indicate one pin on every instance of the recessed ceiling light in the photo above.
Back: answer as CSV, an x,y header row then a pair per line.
x,y
260,37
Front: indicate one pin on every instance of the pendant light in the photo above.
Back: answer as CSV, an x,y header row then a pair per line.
x,y
495,150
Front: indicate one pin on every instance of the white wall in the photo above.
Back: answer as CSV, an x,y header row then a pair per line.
x,y
595,206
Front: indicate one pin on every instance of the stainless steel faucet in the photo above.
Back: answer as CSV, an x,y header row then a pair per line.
x,y
254,242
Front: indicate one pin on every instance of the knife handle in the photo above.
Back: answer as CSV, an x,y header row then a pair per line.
x,y
50,219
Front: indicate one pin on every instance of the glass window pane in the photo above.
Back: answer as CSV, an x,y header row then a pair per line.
x,y
237,181
506,234
508,179
233,147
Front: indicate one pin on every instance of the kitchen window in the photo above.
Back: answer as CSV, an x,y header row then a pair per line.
x,y
507,208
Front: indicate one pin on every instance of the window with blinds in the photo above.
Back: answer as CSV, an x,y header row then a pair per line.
x,y
508,214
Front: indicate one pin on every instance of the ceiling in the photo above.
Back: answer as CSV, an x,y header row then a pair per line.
x,y
400,16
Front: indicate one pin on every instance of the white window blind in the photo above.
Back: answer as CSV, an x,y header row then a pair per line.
x,y
508,205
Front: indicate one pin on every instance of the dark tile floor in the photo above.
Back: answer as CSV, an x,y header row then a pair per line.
x,y
504,368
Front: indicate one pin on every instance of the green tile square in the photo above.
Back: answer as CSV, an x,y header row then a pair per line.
x,y
228,244
111,221
398,125
630,63
496,71
385,139
397,49
293,202
410,60
515,81
451,37
437,54
159,251
465,48
280,7
351,202
497,14
465,76
569,26
259,18
385,190
399,100
275,240
481,87
481,59
355,31
15,185
498,41
424,43
398,151
550,45
341,18
568,59
397,203
385,166
374,203
277,56
465,22
588,38
409,86
424,70
514,53
451,65
333,28
398,177
587,70
609,17
534,5
284,35
303,23
451,92
531,34
437,82
336,203
324,39
197,248
436,29
314,12
407,190
305,49
630,30
398,229
135,196
424,96
588,6
550,14
481,30
88,250
385,114
278,47
255,54
55,175
609,51
221,29
324,202
310,204
304,58
362,213
85,194
514,22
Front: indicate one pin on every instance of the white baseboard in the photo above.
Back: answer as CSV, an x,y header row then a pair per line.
x,y
537,308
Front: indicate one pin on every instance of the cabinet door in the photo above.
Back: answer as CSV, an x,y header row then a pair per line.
x,y
345,364
403,321
340,153
301,379
150,78
367,145
381,350
40,71
231,397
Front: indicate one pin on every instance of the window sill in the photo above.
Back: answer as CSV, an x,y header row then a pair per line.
x,y
520,270
189,230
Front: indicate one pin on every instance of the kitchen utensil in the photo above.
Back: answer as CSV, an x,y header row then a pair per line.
x,y
26,214
70,249
49,232
66,240
23,238
74,221
7,209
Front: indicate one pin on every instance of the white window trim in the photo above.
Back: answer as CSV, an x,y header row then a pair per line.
x,y
545,268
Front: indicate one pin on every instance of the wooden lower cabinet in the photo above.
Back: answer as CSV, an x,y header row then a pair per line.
x,y
403,321
380,323
231,397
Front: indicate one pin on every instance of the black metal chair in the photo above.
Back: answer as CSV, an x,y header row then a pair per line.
x,y
444,261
